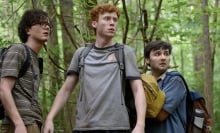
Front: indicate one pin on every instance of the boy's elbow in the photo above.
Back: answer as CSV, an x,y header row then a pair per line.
x,y
162,115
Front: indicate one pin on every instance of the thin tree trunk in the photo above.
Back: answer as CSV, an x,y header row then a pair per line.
x,y
208,87
67,24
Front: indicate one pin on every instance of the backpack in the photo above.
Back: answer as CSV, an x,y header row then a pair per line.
x,y
21,72
151,89
194,102
155,97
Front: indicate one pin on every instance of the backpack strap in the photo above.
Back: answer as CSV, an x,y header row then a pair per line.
x,y
81,61
119,54
41,64
83,54
189,101
126,88
26,63
175,73
196,96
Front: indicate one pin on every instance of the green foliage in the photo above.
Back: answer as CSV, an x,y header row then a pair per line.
x,y
217,91
4,42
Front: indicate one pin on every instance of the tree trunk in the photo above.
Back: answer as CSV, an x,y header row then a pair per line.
x,y
67,24
208,87
51,70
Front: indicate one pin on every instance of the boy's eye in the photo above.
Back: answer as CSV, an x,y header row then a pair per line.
x,y
157,53
166,53
44,24
110,18
107,18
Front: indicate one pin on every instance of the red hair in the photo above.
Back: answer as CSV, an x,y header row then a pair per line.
x,y
103,8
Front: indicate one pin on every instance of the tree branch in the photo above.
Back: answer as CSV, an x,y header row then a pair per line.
x,y
127,21
156,19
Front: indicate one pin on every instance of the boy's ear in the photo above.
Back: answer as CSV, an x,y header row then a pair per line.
x,y
147,60
27,31
94,24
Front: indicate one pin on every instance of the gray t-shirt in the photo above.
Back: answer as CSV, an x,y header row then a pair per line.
x,y
100,103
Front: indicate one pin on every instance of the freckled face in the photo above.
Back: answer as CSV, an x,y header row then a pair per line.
x,y
106,24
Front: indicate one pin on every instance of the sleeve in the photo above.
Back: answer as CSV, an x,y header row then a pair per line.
x,y
175,92
131,67
13,61
74,64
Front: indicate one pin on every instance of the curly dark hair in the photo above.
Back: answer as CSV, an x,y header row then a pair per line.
x,y
155,45
29,18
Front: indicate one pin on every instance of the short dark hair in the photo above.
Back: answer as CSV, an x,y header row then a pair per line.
x,y
155,45
29,18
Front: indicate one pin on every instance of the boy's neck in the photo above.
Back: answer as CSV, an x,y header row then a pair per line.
x,y
101,43
157,75
36,47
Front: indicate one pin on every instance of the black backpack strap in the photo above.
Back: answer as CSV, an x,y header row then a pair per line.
x,y
119,54
3,51
26,63
84,53
41,64
189,100
81,61
126,88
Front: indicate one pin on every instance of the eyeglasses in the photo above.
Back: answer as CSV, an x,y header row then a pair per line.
x,y
44,24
